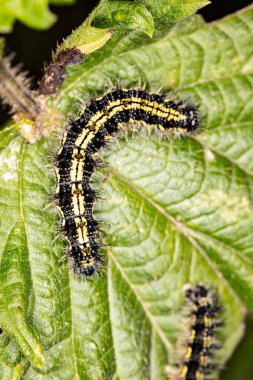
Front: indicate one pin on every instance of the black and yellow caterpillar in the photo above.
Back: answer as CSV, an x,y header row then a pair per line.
x,y
75,161
204,310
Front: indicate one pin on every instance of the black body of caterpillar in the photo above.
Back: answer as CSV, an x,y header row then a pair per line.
x,y
203,320
75,163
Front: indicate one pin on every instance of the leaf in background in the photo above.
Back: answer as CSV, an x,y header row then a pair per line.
x,y
178,211
86,39
118,13
161,11
34,14
121,14
172,10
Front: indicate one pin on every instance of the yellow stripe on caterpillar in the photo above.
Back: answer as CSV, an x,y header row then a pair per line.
x,y
75,160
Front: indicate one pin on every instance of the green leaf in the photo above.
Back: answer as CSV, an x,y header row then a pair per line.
x,y
127,13
112,15
6,21
141,10
173,10
176,211
86,39
34,14
11,373
16,289
10,354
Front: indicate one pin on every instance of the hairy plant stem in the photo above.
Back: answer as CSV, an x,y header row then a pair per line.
x,y
15,91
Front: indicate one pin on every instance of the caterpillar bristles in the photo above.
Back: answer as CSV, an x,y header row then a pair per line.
x,y
77,158
198,360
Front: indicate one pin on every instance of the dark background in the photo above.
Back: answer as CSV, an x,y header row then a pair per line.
x,y
33,49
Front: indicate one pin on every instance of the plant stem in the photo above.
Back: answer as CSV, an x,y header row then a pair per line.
x,y
15,90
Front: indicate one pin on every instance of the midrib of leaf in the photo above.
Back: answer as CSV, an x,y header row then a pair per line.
x,y
150,317
181,227
185,232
